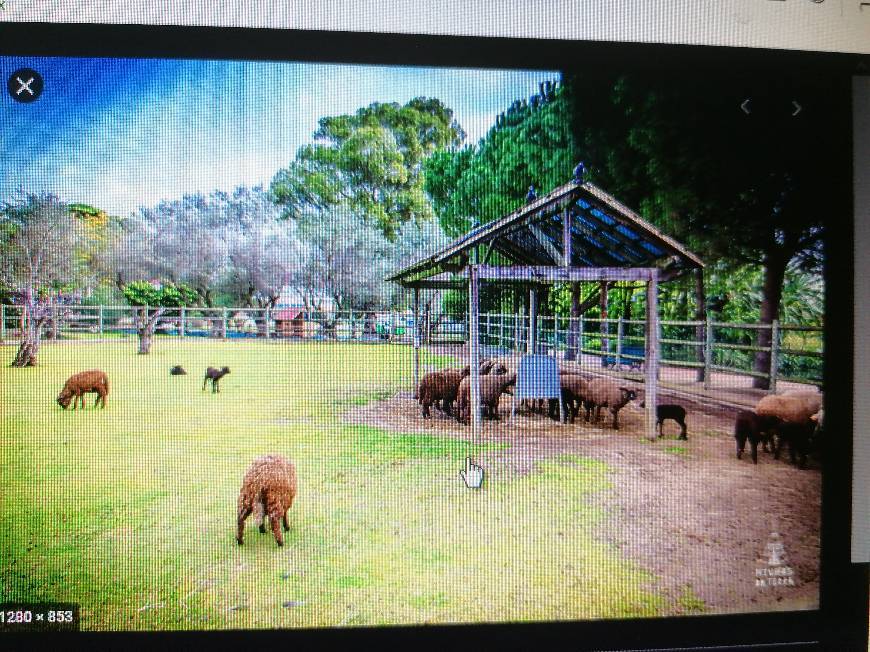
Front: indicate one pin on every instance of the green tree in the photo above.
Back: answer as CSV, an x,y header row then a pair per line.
x,y
153,300
369,164
739,187
41,258
530,144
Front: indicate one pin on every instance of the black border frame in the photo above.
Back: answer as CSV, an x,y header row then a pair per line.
x,y
841,621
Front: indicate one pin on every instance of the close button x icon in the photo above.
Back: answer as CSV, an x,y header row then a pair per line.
x,y
25,85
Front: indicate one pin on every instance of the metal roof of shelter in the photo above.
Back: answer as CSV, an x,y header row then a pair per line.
x,y
604,233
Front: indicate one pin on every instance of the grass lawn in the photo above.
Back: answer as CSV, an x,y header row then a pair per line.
x,y
130,511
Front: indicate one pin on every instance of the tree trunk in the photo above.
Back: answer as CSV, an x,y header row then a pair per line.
x,y
146,328
700,315
31,333
774,273
27,352
145,343
573,350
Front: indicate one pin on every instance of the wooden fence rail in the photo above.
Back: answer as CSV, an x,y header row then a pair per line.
x,y
726,347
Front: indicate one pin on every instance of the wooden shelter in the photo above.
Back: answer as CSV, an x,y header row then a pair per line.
x,y
577,232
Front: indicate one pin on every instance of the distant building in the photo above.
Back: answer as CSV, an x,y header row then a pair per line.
x,y
289,313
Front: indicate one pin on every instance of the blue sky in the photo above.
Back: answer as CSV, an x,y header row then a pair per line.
x,y
123,133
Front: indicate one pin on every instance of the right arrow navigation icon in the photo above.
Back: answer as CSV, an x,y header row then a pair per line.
x,y
797,108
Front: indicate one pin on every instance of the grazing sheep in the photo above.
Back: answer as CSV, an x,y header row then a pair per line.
x,y
603,392
748,425
788,416
491,389
439,386
670,411
214,375
177,371
79,384
268,489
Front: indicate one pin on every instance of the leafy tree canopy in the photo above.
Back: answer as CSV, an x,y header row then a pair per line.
x,y
169,295
530,144
370,163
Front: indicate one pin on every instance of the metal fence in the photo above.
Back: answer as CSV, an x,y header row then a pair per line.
x,y
796,352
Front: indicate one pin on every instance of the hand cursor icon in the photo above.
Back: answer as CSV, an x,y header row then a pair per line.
x,y
472,474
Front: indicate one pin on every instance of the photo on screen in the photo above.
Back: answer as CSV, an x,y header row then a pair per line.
x,y
299,344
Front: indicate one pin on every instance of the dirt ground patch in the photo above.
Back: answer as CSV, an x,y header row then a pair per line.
x,y
689,512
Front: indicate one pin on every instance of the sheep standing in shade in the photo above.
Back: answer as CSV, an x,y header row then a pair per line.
x,y
788,416
491,389
268,490
748,426
214,375
574,390
604,392
439,386
665,411
74,389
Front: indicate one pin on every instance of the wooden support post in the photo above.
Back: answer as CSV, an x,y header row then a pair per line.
x,y
652,355
416,338
531,344
224,324
620,326
474,352
774,354
501,331
580,340
100,320
566,238
708,354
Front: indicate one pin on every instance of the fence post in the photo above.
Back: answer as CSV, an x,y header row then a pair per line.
x,y
2,322
774,353
708,354
100,319
183,327
224,324
620,326
54,328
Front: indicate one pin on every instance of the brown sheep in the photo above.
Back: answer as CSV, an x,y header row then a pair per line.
x,y
268,489
789,417
439,386
491,389
574,390
811,398
79,384
604,392
214,375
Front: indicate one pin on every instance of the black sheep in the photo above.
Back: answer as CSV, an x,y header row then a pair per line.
x,y
214,375
749,425
177,371
670,411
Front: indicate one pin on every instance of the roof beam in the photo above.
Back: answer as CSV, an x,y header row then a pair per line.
x,y
533,273
548,246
